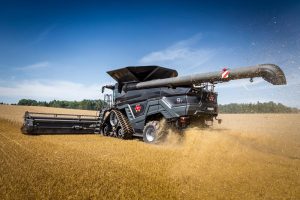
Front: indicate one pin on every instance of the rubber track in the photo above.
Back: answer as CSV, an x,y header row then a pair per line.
x,y
125,124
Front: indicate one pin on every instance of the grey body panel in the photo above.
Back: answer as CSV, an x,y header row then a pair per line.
x,y
167,102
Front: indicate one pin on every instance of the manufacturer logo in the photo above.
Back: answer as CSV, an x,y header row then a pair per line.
x,y
138,108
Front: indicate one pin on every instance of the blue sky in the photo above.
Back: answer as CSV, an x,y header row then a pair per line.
x,y
62,49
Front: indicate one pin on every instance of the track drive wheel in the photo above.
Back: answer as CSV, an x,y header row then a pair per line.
x,y
120,133
154,132
124,129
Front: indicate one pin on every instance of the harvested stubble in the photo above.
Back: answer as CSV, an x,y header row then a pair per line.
x,y
248,157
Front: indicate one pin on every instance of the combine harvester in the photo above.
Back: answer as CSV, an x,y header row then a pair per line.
x,y
145,95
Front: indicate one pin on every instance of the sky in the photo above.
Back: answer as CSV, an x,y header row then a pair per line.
x,y
62,49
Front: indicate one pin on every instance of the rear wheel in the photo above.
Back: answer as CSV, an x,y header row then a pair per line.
x,y
154,132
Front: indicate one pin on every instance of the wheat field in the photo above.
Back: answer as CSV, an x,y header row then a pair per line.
x,y
255,156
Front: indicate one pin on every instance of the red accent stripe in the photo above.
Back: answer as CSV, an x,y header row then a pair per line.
x,y
225,74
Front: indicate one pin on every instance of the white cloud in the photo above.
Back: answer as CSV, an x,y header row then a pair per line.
x,y
181,53
34,66
49,90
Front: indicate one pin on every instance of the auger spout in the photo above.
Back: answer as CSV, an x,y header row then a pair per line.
x,y
269,72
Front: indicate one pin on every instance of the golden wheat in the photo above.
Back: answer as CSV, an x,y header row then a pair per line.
x,y
247,157
15,113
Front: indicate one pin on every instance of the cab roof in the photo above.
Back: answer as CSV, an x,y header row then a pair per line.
x,y
141,73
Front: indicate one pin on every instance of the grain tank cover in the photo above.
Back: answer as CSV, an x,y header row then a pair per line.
x,y
141,73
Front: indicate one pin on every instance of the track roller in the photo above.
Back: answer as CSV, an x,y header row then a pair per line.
x,y
117,125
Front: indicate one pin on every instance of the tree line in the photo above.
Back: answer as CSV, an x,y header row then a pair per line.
x,y
84,104
268,107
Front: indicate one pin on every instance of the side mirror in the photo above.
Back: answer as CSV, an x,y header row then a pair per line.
x,y
111,87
